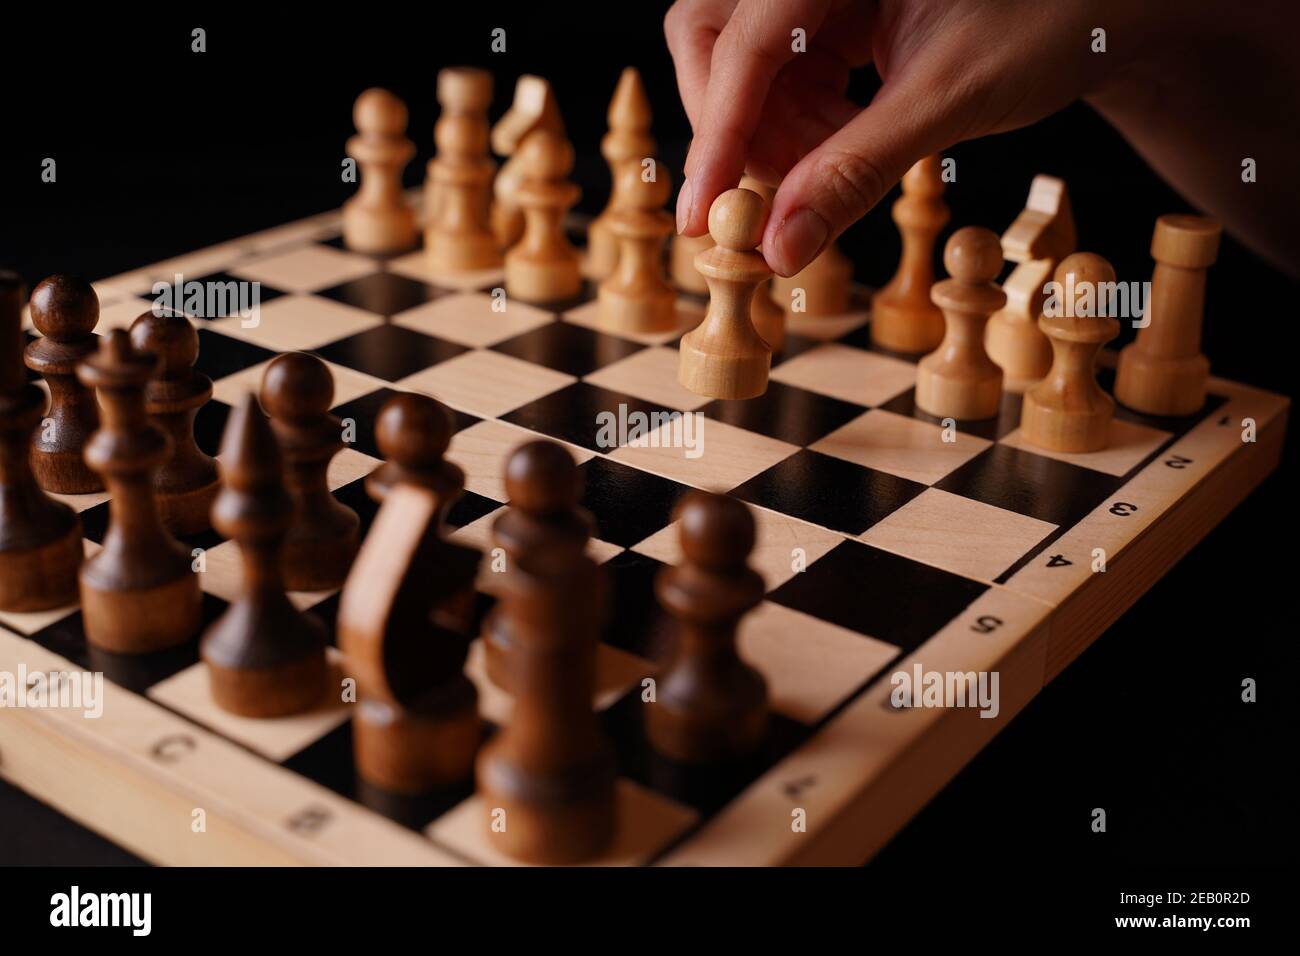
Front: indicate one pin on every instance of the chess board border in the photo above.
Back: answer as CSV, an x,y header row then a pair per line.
x,y
865,770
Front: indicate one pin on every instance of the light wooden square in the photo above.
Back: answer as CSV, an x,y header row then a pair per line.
x,y
467,318
617,671
810,665
223,577
135,283
415,265
906,447
202,262
647,822
774,555
1129,444
347,466
478,534
121,313
294,233
278,738
649,374
298,322
824,327
348,384
483,448
850,374
485,382
730,455
306,268
688,315
79,503
958,534
130,285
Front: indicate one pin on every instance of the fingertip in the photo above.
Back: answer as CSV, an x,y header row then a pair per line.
x,y
684,207
794,241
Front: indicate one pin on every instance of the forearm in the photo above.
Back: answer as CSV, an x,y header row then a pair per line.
x,y
1202,89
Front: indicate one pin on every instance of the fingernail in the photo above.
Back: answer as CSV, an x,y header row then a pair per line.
x,y
683,205
800,237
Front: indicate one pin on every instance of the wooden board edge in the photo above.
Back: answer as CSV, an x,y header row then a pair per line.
x,y
99,773
1090,610
889,800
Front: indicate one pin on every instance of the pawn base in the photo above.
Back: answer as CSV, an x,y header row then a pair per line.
x,y
293,687
378,232
64,472
462,252
42,577
1161,386
681,732
542,282
971,397
415,752
902,327
568,818
188,512
139,621
1055,429
825,283
622,312
733,375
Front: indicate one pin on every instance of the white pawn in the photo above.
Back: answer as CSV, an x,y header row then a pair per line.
x,y
725,357
637,297
377,219
958,379
1067,411
543,267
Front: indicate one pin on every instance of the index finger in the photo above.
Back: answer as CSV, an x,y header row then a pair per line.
x,y
691,28
756,42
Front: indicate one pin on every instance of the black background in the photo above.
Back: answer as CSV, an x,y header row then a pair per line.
x,y
161,151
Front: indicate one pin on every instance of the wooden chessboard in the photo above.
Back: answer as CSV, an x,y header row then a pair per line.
x,y
970,555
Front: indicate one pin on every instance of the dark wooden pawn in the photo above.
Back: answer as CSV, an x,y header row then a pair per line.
x,y
265,657
187,482
404,621
413,432
139,593
297,391
531,531
710,705
65,311
551,769
40,538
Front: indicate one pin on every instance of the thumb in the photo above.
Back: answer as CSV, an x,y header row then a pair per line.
x,y
839,181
